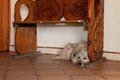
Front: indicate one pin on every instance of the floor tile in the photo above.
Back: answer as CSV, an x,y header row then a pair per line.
x,y
15,72
50,72
43,67
46,66
21,77
42,61
20,61
3,72
20,66
78,72
3,66
87,77
2,78
58,77
69,67
112,77
106,72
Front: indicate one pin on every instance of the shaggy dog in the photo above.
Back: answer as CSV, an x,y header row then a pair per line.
x,y
76,52
80,58
79,55
78,47
66,52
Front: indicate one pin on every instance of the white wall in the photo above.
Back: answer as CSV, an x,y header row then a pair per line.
x,y
59,36
112,26
53,35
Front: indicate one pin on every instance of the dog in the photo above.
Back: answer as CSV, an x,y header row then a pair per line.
x,y
66,52
75,52
70,49
80,58
79,55
78,46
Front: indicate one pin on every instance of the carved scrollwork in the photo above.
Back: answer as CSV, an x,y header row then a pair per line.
x,y
48,10
75,9
29,4
98,40
90,10
97,6
95,29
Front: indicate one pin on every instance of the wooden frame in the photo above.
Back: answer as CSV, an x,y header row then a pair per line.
x,y
94,10
5,25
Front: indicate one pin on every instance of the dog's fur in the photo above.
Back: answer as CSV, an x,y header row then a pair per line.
x,y
66,52
76,52
80,58
78,47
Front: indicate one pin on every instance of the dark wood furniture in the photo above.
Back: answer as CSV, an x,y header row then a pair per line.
x,y
4,25
51,11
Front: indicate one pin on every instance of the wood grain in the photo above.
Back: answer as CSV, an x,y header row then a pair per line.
x,y
51,11
25,38
95,30
4,25
75,9
48,10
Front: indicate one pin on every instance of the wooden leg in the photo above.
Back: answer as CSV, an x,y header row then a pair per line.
x,y
25,40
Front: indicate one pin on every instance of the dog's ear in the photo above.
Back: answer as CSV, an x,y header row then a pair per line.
x,y
70,50
74,45
72,55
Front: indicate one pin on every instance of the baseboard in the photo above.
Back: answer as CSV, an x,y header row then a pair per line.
x,y
49,50
11,48
56,50
111,52
112,55
43,49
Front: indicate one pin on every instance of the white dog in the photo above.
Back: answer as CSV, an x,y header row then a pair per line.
x,y
70,50
80,58
66,52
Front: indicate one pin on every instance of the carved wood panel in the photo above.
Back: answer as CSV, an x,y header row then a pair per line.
x,y
97,6
95,29
75,9
98,39
48,10
25,38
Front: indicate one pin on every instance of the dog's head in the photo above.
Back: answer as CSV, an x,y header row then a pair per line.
x,y
80,58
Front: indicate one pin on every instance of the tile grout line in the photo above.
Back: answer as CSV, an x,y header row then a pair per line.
x,y
7,69
67,74
35,70
70,78
102,76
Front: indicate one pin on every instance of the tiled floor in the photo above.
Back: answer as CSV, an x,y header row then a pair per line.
x,y
42,67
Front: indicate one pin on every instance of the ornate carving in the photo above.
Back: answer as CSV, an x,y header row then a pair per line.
x,y
24,12
95,30
48,10
75,9
25,38
41,10
29,4
96,6
98,39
